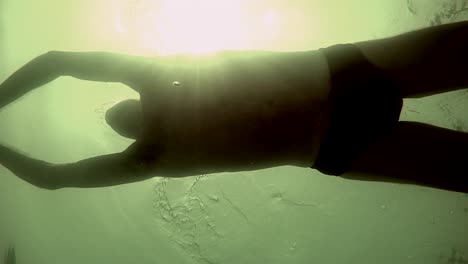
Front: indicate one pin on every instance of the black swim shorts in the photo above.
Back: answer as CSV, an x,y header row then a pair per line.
x,y
364,105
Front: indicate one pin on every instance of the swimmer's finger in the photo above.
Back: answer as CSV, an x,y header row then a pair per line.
x,y
11,255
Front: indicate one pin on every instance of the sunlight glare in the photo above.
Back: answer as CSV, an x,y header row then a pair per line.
x,y
270,18
185,26
164,27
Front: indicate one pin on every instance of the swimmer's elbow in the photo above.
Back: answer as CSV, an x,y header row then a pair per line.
x,y
101,171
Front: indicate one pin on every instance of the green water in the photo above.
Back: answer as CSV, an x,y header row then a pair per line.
x,y
279,215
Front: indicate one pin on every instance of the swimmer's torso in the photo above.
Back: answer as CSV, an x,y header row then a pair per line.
x,y
244,110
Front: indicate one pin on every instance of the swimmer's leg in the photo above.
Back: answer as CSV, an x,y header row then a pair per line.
x,y
416,153
423,62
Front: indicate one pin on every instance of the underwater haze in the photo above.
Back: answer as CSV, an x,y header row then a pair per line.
x,y
282,215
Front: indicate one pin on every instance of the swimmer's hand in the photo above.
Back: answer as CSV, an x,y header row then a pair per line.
x,y
10,255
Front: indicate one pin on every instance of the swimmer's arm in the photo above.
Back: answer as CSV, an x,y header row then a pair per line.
x,y
101,171
101,66
92,66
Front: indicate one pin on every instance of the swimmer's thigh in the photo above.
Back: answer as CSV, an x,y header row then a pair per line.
x,y
415,153
425,61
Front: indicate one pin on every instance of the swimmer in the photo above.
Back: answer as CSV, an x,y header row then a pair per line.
x,y
335,110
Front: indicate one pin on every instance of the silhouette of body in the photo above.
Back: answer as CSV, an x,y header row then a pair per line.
x,y
334,109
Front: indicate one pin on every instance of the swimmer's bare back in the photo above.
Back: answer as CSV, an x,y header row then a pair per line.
x,y
235,111
231,111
